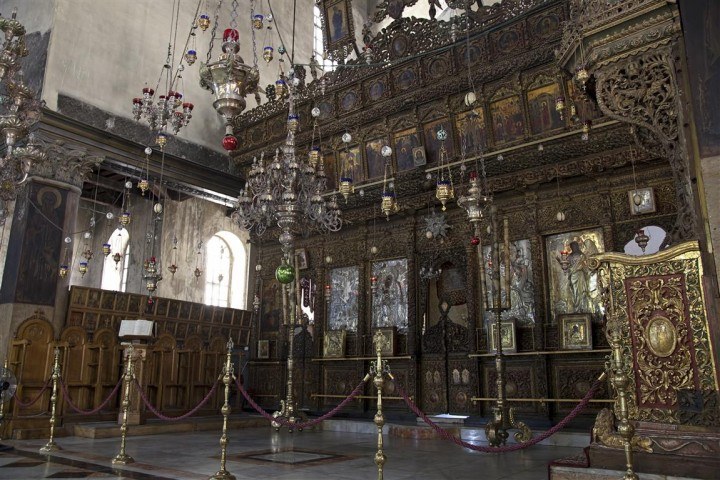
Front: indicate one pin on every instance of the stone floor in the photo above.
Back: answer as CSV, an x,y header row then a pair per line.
x,y
261,453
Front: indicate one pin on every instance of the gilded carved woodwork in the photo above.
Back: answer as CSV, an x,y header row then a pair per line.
x,y
659,303
604,433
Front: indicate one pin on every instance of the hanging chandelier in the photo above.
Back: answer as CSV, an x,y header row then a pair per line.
x,y
287,192
19,112
229,78
167,110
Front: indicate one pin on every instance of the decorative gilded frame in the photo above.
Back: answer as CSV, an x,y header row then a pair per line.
x,y
508,336
389,338
334,343
338,45
263,351
575,332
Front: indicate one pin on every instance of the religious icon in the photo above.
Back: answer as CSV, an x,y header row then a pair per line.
x,y
330,171
522,289
405,143
507,336
471,129
376,90
334,343
541,105
507,119
302,258
271,318
375,160
575,331
351,161
343,308
389,298
338,27
573,286
263,349
432,144
642,200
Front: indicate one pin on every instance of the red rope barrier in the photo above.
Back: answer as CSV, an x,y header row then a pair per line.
x,y
32,402
445,435
158,414
70,403
301,425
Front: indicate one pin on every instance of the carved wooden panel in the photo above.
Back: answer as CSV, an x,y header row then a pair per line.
x,y
659,302
572,377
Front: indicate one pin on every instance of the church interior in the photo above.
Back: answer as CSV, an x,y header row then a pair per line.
x,y
355,238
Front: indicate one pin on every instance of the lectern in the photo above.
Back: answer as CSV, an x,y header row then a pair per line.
x,y
136,334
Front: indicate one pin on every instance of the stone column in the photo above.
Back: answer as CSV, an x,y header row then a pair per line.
x,y
44,214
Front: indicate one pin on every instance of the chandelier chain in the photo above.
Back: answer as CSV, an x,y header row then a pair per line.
x,y
234,15
252,30
214,31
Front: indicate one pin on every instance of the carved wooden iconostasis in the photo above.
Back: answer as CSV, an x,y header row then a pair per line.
x,y
537,166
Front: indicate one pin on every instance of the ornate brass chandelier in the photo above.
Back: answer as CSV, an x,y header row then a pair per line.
x,y
229,78
287,192
19,112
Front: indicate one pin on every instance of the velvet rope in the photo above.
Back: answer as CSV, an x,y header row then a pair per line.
x,y
70,403
300,425
445,435
158,414
32,402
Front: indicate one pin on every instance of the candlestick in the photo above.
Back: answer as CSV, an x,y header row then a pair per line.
x,y
506,242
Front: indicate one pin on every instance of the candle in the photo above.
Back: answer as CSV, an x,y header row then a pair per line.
x,y
481,264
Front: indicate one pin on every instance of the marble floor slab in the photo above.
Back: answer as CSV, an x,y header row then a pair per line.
x,y
262,453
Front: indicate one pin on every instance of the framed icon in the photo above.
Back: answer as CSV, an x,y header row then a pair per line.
x,y
338,27
575,332
387,339
302,258
263,349
334,343
642,200
507,335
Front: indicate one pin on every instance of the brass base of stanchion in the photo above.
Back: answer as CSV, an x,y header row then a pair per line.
x,y
496,430
290,414
222,475
50,447
122,459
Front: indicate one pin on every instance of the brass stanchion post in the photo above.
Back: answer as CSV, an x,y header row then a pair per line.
x,y
227,377
378,370
620,380
2,401
51,446
123,458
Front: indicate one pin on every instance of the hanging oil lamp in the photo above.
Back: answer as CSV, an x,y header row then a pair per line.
x,y
197,273
117,256
125,219
257,21
88,253
83,268
346,187
173,257
585,135
560,106
268,53
63,270
314,156
444,189
642,239
582,76
106,249
388,204
143,185
204,21
190,56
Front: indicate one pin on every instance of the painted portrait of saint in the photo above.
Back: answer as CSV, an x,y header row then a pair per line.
x,y
375,160
433,145
350,162
541,103
472,132
337,21
507,120
405,142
